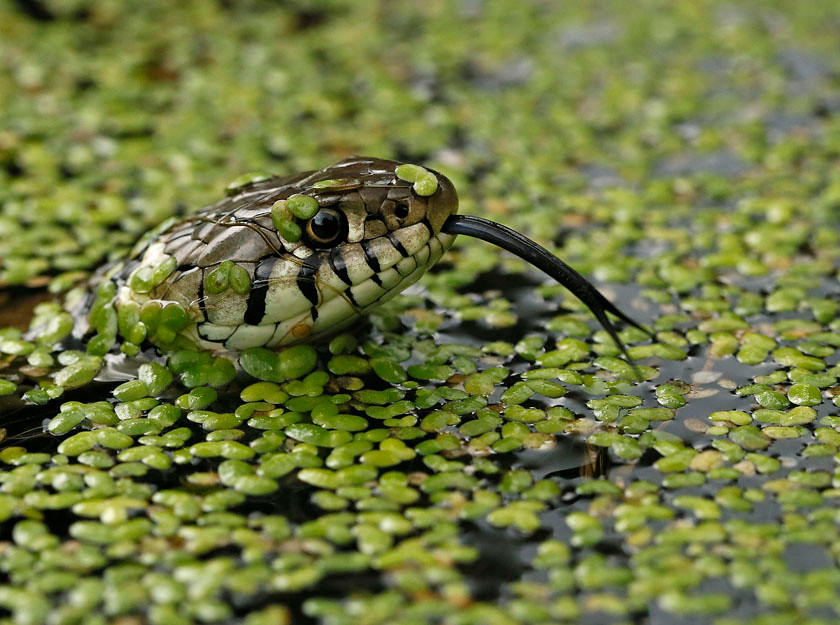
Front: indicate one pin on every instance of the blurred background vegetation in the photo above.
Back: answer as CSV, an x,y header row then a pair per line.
x,y
115,114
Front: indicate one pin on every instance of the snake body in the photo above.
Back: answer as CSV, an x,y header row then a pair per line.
x,y
373,235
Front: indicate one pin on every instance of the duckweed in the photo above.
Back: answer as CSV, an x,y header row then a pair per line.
x,y
482,418
425,182
283,221
291,363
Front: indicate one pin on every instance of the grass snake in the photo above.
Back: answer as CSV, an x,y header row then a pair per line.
x,y
297,258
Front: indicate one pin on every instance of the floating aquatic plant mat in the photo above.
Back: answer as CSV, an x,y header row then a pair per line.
x,y
479,453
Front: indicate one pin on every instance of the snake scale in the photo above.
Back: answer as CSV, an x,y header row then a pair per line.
x,y
297,258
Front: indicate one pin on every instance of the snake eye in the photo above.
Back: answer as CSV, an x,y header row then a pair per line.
x,y
327,228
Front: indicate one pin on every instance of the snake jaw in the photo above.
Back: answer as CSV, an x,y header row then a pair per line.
x,y
339,306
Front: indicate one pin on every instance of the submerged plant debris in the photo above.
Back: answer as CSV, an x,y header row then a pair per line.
x,y
479,453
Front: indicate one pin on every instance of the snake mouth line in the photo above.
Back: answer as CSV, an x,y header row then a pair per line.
x,y
536,255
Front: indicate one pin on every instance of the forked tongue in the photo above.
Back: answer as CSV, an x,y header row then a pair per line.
x,y
541,258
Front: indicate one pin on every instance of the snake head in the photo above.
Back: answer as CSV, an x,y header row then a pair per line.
x,y
297,258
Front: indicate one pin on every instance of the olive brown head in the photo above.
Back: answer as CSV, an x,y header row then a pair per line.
x,y
283,260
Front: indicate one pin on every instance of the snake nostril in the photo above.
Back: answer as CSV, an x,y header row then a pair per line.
x,y
401,211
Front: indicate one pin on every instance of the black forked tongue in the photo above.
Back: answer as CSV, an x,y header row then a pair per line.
x,y
541,258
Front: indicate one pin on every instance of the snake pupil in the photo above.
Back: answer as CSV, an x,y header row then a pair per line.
x,y
325,227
